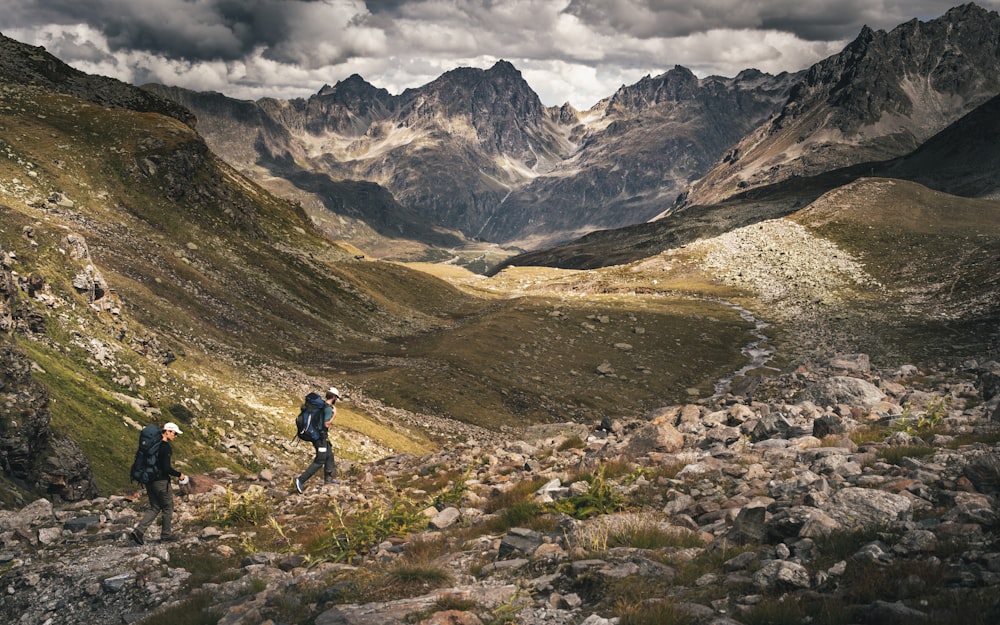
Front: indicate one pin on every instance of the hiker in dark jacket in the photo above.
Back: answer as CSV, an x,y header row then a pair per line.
x,y
324,454
161,498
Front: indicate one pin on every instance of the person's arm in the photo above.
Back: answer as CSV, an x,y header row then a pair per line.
x,y
166,452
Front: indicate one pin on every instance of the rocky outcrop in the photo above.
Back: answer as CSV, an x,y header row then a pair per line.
x,y
743,522
30,453
31,65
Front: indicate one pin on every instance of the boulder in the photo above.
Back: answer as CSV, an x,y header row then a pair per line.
x,y
843,390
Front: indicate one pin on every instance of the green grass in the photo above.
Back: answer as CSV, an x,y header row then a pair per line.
x,y
195,610
536,360
896,454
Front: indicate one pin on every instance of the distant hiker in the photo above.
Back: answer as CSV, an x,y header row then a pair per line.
x,y
321,440
161,498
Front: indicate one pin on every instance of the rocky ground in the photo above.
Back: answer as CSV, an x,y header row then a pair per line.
x,y
833,494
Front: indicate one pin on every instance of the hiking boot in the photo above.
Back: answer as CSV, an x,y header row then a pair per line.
x,y
136,538
169,538
331,481
298,485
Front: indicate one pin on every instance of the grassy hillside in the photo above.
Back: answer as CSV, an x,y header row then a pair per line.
x,y
165,286
935,255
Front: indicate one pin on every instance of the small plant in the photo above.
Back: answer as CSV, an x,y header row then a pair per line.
x,y
257,584
454,602
926,422
195,610
420,576
519,493
349,537
517,515
205,567
842,544
506,613
653,612
452,495
573,442
602,497
252,507
868,434
641,531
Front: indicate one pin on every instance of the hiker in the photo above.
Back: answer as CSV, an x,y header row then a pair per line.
x,y
161,498
324,454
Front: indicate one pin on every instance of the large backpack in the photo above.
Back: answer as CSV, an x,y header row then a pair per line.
x,y
309,423
144,467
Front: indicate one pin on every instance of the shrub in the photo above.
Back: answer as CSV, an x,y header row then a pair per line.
x,y
601,498
252,507
348,537
641,531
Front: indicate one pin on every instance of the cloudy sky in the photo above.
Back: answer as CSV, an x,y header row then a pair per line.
x,y
576,51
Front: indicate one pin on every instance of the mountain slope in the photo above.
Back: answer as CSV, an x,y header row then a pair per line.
x,y
150,279
880,98
638,151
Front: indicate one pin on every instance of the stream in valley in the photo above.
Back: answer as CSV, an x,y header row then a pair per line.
x,y
758,352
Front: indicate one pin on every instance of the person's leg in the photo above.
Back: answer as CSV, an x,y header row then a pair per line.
x,y
155,506
319,461
167,506
150,514
330,465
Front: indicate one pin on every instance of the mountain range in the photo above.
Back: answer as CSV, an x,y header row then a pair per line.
x,y
474,155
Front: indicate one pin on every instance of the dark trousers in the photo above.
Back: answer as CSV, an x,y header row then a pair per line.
x,y
161,499
322,460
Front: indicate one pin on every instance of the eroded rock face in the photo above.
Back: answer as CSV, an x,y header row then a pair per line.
x,y
30,453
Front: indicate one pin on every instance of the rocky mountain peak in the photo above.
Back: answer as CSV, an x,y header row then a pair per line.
x,y
675,85
354,87
884,94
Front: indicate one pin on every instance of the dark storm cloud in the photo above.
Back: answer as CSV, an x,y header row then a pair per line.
x,y
810,20
193,30
578,50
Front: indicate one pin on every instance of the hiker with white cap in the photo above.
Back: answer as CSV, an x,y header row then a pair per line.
x,y
324,454
161,498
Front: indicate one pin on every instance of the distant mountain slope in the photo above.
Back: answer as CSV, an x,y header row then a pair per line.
x,y
33,66
638,150
475,151
883,96
962,159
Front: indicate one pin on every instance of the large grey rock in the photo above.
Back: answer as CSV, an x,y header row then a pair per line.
x,y
654,437
38,510
855,508
843,390
782,575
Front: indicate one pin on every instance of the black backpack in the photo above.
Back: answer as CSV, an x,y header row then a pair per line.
x,y
309,423
144,468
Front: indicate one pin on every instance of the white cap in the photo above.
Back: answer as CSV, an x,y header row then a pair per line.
x,y
184,481
172,427
333,390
